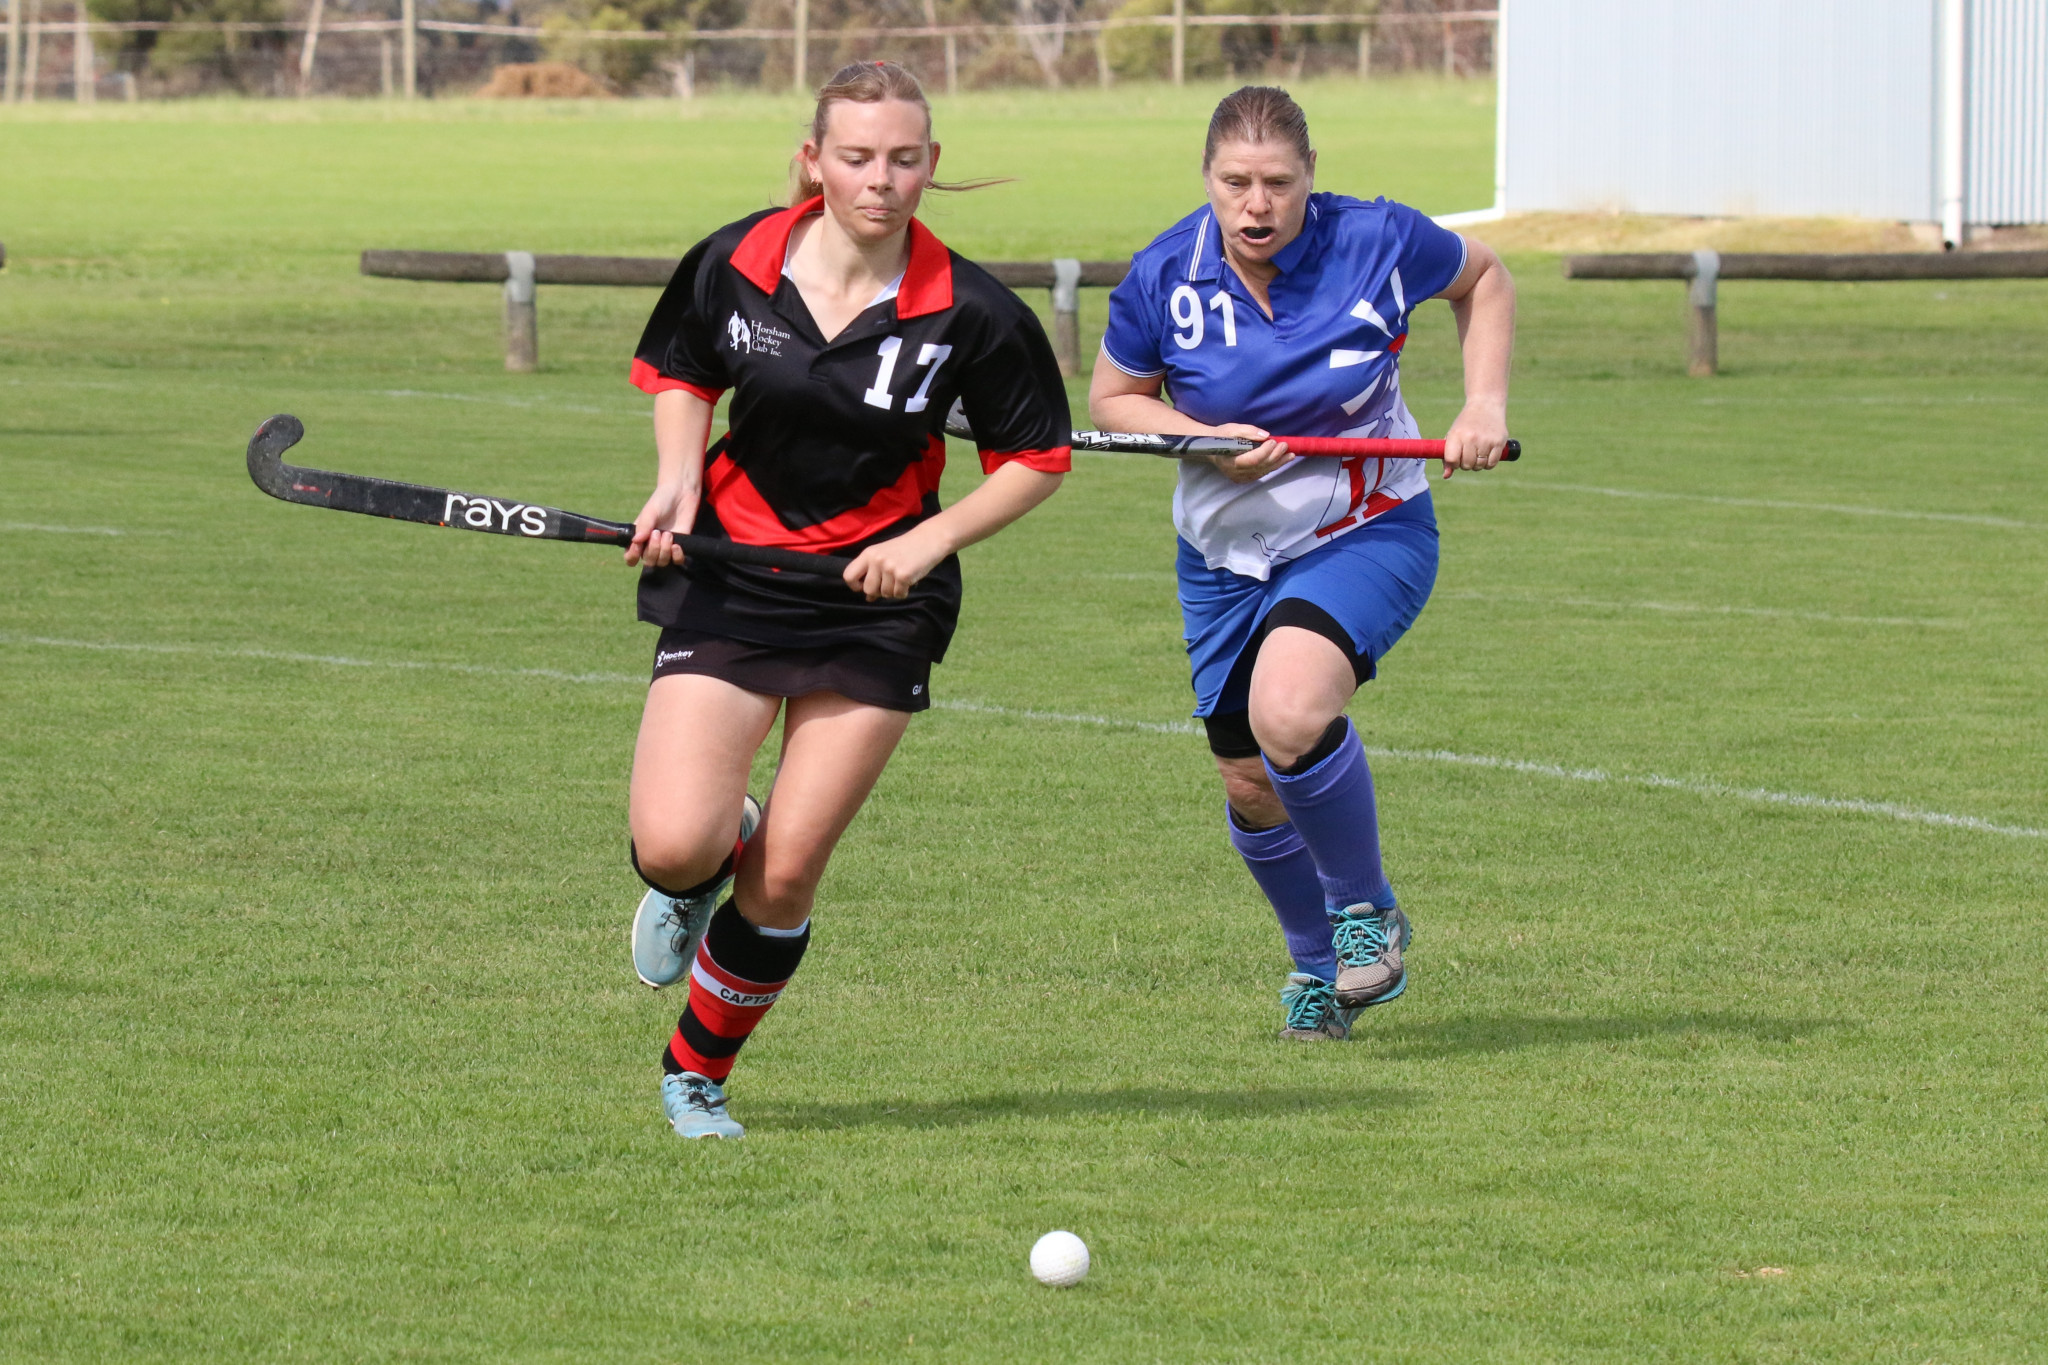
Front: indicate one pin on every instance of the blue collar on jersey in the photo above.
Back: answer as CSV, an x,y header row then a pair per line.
x,y
1207,261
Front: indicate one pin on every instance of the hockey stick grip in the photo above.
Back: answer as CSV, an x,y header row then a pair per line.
x,y
1345,446
762,556
1205,447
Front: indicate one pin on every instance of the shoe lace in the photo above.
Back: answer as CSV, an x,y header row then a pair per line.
x,y
1308,1002
1359,938
699,1095
676,920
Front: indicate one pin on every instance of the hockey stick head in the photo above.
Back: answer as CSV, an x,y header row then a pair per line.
x,y
956,422
266,467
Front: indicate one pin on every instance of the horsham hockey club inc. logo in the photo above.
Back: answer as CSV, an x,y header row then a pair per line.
x,y
754,338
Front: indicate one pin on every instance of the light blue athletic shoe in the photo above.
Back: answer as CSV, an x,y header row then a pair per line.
x,y
695,1106
666,931
1312,1013
1371,947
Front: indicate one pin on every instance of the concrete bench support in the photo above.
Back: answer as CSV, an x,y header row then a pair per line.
x,y
522,314
1706,269
521,271
1704,354
1066,313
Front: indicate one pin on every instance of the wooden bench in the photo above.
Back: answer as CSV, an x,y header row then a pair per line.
x,y
521,271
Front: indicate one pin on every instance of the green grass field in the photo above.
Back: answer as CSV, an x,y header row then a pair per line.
x,y
320,1039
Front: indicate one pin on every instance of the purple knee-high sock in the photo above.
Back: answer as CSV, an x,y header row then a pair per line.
x,y
1281,865
1332,805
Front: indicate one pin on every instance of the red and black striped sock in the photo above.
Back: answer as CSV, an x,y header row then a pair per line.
x,y
738,976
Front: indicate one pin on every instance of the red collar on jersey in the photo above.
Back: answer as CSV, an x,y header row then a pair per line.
x,y
927,281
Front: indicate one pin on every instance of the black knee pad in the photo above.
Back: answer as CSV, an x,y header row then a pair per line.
x,y
1230,735
724,871
1332,740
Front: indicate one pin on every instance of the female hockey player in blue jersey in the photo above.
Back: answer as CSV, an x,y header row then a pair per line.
x,y
1275,308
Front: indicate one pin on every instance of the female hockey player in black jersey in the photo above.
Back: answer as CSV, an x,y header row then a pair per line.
x,y
845,331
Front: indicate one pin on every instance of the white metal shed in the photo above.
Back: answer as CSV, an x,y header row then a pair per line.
x,y
1916,110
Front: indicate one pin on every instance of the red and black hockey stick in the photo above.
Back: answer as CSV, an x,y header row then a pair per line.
x,y
1202,447
478,512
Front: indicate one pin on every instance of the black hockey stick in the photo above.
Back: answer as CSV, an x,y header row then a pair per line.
x,y
1202,447
477,512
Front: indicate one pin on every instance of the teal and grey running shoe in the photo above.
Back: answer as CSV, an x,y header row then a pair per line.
x,y
695,1106
1312,1013
666,931
1371,948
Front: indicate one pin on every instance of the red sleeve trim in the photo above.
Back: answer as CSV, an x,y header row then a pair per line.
x,y
1057,460
651,380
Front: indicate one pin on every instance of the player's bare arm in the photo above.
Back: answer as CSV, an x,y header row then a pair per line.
x,y
1482,301
1125,402
894,567
682,427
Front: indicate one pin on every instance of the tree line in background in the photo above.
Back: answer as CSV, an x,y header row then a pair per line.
x,y
280,61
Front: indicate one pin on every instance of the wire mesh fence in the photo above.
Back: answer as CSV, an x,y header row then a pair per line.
x,y
157,49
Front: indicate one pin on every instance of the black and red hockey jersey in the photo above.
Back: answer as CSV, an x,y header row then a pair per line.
x,y
834,446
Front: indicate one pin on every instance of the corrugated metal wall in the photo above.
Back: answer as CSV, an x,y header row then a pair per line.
x,y
2008,112
1765,107
1721,106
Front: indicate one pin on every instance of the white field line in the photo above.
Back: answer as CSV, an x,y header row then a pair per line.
x,y
1784,613
494,400
1775,504
331,660
77,530
1474,595
1851,400
536,401
1721,789
1887,809
1151,727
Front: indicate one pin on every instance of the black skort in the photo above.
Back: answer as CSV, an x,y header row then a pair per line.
x,y
862,673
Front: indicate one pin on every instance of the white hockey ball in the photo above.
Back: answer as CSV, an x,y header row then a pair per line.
x,y
1059,1259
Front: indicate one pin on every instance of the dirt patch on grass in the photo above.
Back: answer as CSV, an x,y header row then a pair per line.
x,y
544,80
